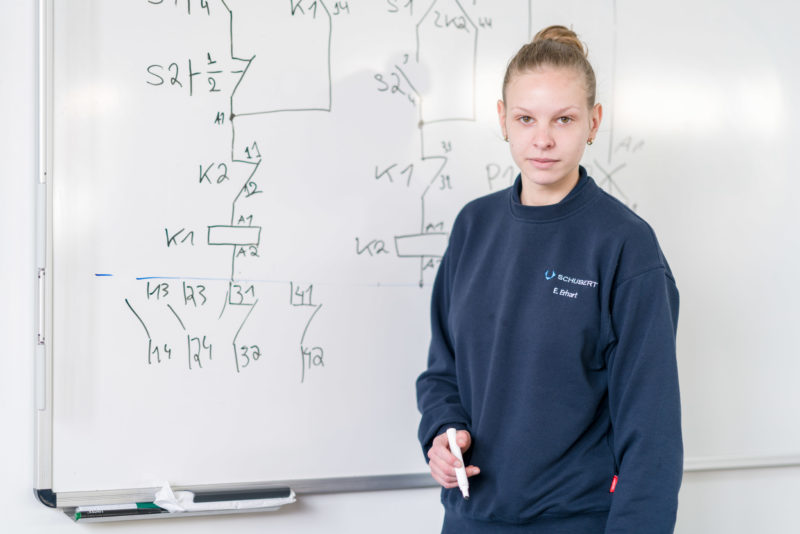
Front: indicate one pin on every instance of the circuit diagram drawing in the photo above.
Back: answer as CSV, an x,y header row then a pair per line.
x,y
322,151
244,76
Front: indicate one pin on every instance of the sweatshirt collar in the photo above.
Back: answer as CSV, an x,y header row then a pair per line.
x,y
583,192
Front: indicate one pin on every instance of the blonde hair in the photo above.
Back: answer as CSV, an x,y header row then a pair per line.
x,y
554,46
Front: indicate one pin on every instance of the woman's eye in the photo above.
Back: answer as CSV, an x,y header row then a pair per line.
x,y
564,120
525,119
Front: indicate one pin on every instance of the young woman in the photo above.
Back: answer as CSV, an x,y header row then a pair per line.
x,y
554,316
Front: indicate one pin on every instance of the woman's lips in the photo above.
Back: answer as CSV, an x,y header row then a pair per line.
x,y
543,163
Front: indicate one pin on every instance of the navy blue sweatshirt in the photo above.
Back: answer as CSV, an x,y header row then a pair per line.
x,y
553,343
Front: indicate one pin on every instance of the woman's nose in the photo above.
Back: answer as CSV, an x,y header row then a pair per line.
x,y
542,138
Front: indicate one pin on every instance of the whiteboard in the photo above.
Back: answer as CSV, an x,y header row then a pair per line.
x,y
713,96
247,203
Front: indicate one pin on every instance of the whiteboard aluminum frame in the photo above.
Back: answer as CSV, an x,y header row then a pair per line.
x,y
734,463
300,487
43,376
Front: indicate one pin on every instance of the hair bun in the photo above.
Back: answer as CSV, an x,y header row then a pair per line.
x,y
563,35
554,46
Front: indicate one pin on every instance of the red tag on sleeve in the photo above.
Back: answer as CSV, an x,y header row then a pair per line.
x,y
613,484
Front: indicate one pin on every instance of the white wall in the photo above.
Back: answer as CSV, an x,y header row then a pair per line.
x,y
762,501
732,502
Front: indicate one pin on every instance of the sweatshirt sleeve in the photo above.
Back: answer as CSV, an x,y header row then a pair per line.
x,y
644,403
438,397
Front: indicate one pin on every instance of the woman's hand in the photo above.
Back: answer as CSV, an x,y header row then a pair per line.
x,y
442,462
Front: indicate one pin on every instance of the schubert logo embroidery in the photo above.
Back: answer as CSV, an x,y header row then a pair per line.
x,y
561,292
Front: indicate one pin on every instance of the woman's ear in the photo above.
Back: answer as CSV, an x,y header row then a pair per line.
x,y
501,116
596,119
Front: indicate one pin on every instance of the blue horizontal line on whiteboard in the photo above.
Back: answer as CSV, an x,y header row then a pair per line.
x,y
103,274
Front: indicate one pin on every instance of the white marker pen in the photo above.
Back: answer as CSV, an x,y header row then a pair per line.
x,y
461,472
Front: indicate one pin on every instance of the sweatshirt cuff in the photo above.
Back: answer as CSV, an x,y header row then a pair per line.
x,y
457,426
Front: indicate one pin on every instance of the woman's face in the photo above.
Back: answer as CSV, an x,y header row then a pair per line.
x,y
547,122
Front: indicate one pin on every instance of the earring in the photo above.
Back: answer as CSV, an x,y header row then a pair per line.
x,y
505,139
589,142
